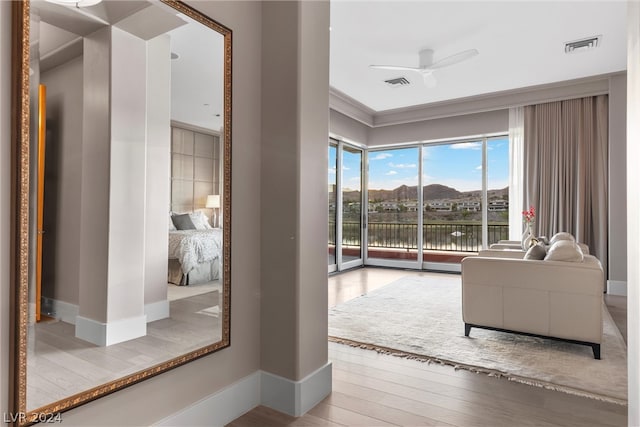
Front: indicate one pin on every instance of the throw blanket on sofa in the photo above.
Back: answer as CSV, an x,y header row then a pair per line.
x,y
193,247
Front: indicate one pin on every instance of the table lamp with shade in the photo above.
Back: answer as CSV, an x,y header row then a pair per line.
x,y
213,202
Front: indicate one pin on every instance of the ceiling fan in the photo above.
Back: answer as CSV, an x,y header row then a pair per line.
x,y
427,66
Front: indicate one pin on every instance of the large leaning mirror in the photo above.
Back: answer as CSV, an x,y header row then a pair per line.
x,y
121,157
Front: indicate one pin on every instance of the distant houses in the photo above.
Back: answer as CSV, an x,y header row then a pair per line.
x,y
450,205
439,206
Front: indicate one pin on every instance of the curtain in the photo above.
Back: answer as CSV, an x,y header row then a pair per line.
x,y
516,142
565,169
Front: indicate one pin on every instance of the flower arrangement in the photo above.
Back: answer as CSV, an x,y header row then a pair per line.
x,y
529,216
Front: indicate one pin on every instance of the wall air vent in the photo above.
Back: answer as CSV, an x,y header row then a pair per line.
x,y
397,82
582,44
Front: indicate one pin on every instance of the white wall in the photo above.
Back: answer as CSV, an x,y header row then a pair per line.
x,y
158,179
125,298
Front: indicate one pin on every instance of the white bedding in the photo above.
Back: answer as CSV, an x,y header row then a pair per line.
x,y
194,247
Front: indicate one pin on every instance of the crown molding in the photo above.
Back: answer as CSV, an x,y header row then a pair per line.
x,y
343,103
577,88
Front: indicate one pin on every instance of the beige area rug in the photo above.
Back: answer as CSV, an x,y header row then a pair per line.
x,y
175,292
421,318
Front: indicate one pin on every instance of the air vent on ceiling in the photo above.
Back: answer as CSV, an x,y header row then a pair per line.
x,y
397,82
582,44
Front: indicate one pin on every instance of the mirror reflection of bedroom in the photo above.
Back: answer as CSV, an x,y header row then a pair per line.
x,y
130,181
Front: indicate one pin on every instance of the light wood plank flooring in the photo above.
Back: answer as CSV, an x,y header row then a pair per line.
x,y
60,365
371,389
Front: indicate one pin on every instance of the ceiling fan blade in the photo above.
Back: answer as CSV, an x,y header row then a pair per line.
x,y
395,67
429,80
453,59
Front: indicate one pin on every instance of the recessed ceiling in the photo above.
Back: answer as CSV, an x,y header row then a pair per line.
x,y
520,44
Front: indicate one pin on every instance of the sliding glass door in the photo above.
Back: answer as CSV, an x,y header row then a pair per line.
x,y
351,247
453,199
393,208
345,206
427,205
497,189
332,205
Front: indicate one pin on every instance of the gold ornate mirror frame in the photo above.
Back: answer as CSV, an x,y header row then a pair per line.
x,y
21,159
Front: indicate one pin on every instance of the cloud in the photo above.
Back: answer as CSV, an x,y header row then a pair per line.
x,y
381,156
391,173
402,165
467,146
332,171
479,168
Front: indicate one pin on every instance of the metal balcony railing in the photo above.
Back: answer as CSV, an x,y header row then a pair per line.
x,y
458,237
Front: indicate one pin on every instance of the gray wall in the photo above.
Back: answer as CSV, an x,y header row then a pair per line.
x,y
618,178
447,127
345,127
62,183
164,395
293,187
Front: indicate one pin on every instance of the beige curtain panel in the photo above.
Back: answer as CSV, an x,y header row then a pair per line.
x,y
566,169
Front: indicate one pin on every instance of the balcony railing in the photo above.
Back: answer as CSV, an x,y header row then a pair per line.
x,y
458,237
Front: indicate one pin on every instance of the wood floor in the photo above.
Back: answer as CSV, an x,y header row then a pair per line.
x,y
60,365
371,389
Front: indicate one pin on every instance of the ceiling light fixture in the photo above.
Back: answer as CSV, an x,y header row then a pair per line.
x,y
582,45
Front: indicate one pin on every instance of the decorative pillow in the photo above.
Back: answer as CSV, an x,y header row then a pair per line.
x,y
536,252
200,220
564,250
183,222
172,226
561,236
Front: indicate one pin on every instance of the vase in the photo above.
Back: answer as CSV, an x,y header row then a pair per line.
x,y
528,237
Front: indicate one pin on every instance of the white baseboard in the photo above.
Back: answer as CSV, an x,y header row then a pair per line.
x,y
104,334
617,287
296,397
156,310
222,407
61,310
260,388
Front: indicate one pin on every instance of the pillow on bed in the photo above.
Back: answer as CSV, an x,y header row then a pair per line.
x,y
200,220
183,222
172,226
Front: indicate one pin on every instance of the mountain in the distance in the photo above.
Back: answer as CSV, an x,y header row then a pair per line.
x,y
429,192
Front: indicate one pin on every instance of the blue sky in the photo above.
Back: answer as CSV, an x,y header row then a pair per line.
x,y
454,165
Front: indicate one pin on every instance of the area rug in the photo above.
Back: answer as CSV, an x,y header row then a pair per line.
x,y
420,317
